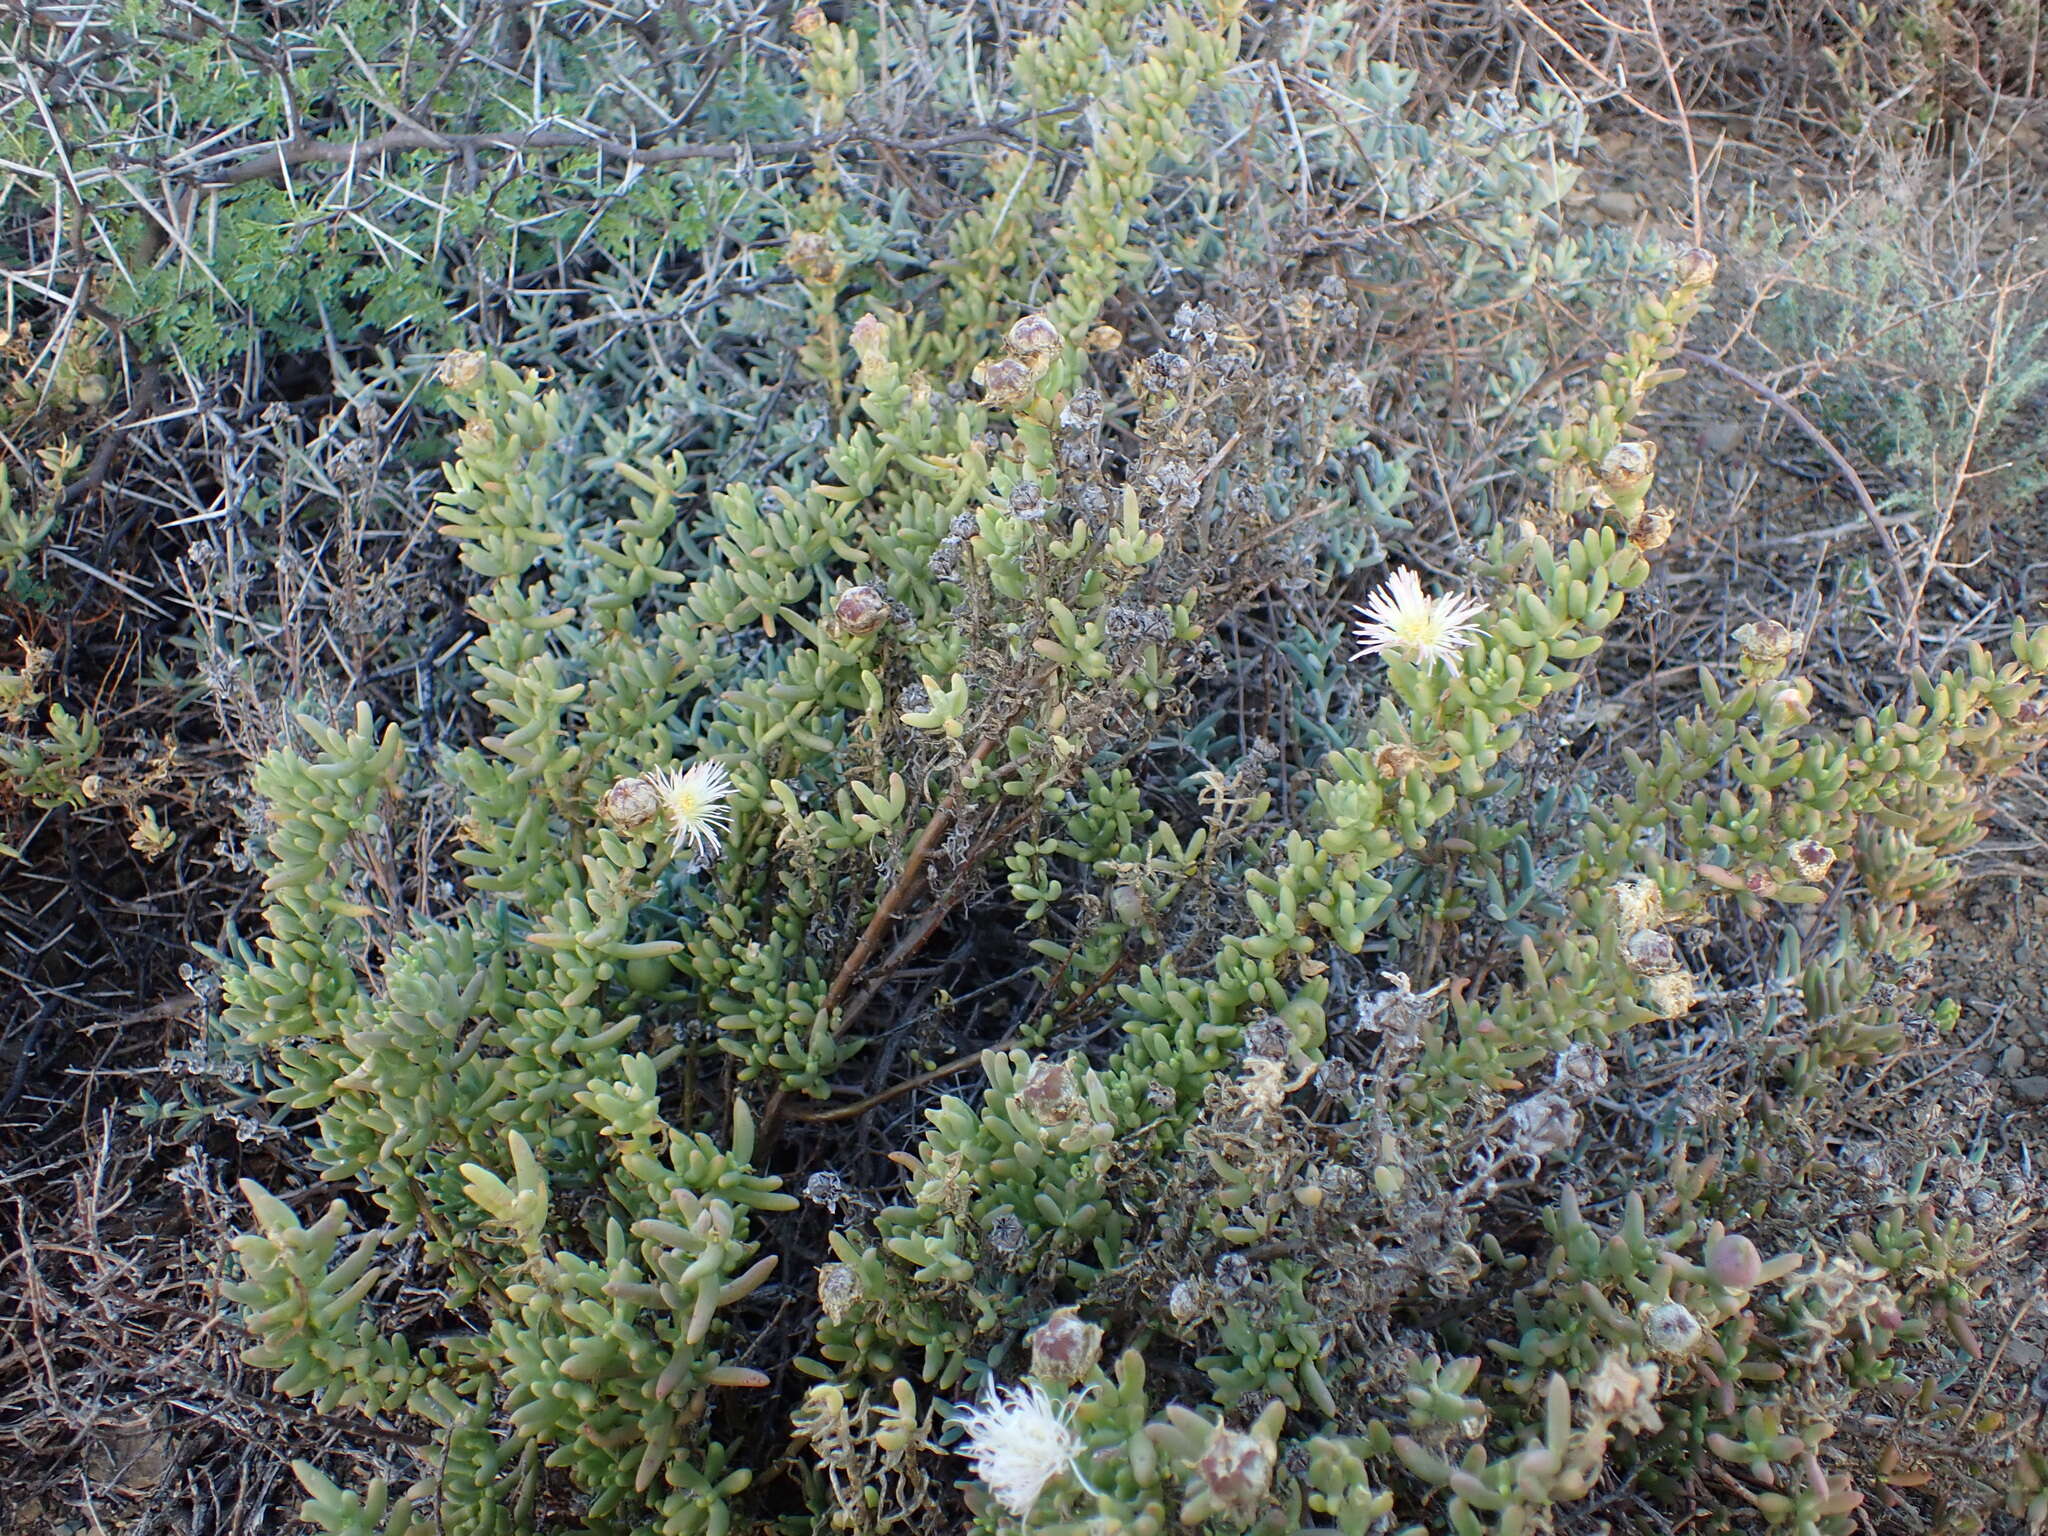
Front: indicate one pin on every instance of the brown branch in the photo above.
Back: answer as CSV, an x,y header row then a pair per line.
x,y
271,162
1835,457
908,1085
892,901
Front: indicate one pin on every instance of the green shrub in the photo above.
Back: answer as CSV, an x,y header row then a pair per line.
x,y
1044,759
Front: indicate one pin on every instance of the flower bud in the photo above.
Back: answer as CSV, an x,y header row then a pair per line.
x,y
1185,1302
807,20
461,370
1650,953
93,389
1672,995
629,804
1105,338
1733,1262
1791,702
1005,383
1672,1331
860,610
1813,859
869,339
1064,1349
1034,340
1695,268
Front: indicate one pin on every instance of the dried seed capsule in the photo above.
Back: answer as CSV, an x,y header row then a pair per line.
x,y
1034,340
1581,1070
1695,268
860,610
629,804
1005,1233
838,1290
1651,528
1543,1123
1638,903
1105,338
1650,953
1233,1273
1628,466
1005,383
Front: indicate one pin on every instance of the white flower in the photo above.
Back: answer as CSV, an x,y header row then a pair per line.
x,y
1402,618
694,801
1019,1442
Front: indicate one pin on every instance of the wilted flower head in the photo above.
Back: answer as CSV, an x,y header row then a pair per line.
x,y
1065,1348
1396,760
1400,617
861,610
1765,647
462,369
1672,1329
838,1290
1543,1123
1580,1069
1019,1442
1627,465
1672,994
1638,903
1812,858
1624,1394
694,801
